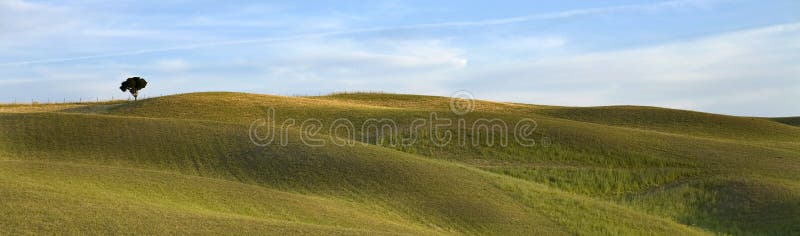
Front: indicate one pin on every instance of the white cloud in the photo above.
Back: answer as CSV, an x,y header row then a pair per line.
x,y
517,44
171,65
327,27
123,33
750,72
22,19
646,7
754,68
721,69
373,58
335,65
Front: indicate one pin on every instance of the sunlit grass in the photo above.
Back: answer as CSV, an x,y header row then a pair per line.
x,y
615,170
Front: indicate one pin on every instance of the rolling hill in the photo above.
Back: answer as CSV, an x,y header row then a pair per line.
x,y
788,120
185,164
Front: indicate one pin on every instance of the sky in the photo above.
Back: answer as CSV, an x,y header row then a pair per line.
x,y
737,57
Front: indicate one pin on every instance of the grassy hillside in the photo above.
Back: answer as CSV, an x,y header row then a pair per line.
x,y
188,159
788,120
679,121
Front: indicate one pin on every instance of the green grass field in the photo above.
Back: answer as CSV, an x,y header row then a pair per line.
x,y
184,164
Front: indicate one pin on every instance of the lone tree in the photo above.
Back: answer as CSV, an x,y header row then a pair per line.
x,y
133,84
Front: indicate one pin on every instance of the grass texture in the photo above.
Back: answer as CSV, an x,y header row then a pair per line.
x,y
184,164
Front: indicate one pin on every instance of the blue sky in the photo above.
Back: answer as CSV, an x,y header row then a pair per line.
x,y
734,57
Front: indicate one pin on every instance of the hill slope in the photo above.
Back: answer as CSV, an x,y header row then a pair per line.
x,y
795,121
593,172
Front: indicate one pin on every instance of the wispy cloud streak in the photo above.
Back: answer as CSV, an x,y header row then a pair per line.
x,y
440,25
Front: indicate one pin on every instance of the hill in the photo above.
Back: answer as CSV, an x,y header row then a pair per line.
x,y
788,120
188,159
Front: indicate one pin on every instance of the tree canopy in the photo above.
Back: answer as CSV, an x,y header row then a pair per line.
x,y
133,84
